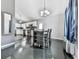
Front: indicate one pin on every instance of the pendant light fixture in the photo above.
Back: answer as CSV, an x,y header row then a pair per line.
x,y
45,12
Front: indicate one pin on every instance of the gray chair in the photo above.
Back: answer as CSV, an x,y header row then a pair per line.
x,y
47,38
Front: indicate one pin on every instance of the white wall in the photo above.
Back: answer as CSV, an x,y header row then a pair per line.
x,y
9,7
29,9
56,23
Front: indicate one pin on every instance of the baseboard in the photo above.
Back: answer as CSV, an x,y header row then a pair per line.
x,y
57,39
7,45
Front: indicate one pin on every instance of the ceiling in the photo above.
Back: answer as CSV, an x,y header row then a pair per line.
x,y
29,9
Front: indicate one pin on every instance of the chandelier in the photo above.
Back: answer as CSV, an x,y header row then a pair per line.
x,y
45,12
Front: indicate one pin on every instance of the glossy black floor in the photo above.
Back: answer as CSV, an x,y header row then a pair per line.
x,y
21,50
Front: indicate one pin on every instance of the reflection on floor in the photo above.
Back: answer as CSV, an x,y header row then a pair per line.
x,y
21,50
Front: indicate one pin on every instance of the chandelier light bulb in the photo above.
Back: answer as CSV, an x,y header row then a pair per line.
x,y
44,13
47,12
41,12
